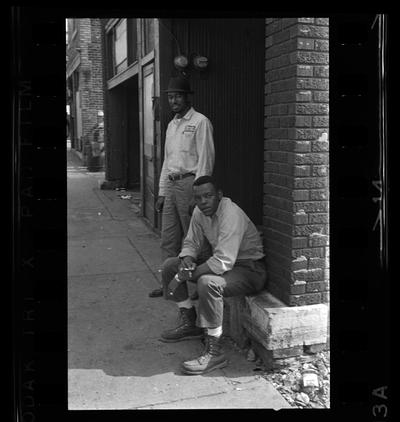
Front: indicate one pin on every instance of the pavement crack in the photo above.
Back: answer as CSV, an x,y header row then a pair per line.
x,y
183,399
143,259
101,199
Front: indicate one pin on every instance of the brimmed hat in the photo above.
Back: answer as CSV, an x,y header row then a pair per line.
x,y
179,84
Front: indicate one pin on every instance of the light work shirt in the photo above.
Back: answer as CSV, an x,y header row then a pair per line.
x,y
232,236
189,148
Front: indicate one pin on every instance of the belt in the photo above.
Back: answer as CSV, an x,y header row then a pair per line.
x,y
174,177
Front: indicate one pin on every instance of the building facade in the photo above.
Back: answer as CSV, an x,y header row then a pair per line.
x,y
264,84
296,191
84,82
266,91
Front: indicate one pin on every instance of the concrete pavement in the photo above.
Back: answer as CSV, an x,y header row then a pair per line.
x,y
115,359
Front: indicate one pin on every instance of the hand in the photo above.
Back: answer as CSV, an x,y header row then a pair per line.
x,y
188,262
184,274
186,268
160,203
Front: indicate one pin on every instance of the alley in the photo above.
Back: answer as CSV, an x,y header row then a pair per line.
x,y
115,360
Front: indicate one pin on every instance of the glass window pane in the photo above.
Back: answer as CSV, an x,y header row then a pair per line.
x,y
132,40
148,35
120,50
120,28
123,65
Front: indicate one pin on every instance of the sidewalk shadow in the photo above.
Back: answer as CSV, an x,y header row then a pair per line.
x,y
238,369
116,328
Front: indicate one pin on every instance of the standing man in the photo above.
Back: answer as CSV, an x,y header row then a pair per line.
x,y
235,268
188,154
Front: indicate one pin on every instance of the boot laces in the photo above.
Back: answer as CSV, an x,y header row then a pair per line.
x,y
211,346
185,317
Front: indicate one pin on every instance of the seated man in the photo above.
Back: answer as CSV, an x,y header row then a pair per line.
x,y
236,267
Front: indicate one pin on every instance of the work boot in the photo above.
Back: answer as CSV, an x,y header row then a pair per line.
x,y
212,358
187,330
156,292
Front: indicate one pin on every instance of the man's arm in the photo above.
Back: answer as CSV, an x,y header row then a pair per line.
x,y
205,148
164,174
195,271
201,270
230,234
194,238
163,178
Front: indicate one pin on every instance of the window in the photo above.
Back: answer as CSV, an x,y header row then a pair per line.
x,y
120,46
148,33
66,31
132,41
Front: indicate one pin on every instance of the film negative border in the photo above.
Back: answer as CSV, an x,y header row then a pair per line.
x,y
39,285
359,216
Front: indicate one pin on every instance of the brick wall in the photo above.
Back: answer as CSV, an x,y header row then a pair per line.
x,y
88,42
91,71
296,194
95,57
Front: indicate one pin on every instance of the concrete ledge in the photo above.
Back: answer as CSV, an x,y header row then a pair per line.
x,y
287,326
275,330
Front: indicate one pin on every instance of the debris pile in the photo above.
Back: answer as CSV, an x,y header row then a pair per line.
x,y
304,381
123,194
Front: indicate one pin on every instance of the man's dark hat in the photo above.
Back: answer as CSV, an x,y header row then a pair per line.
x,y
179,84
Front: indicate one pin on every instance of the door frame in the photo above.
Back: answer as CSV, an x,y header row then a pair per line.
x,y
148,71
152,58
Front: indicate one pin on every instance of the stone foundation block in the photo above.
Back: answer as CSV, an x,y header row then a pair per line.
x,y
277,326
276,331
274,359
315,348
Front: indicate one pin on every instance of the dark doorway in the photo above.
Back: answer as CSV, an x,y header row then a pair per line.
x,y
124,136
231,94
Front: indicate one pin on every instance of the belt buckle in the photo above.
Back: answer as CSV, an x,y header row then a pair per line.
x,y
174,177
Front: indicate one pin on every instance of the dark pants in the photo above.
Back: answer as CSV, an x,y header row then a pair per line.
x,y
247,277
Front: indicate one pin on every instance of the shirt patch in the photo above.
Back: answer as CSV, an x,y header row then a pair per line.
x,y
190,128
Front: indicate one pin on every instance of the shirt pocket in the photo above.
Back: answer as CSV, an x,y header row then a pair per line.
x,y
188,142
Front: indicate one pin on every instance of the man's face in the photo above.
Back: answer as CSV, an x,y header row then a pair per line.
x,y
178,101
207,198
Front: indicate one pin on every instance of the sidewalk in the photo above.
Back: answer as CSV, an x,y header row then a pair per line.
x,y
115,359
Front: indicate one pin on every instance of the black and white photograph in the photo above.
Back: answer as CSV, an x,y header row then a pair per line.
x,y
198,213
184,187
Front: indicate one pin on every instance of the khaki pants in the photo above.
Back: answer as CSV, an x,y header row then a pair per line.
x,y
246,277
175,216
